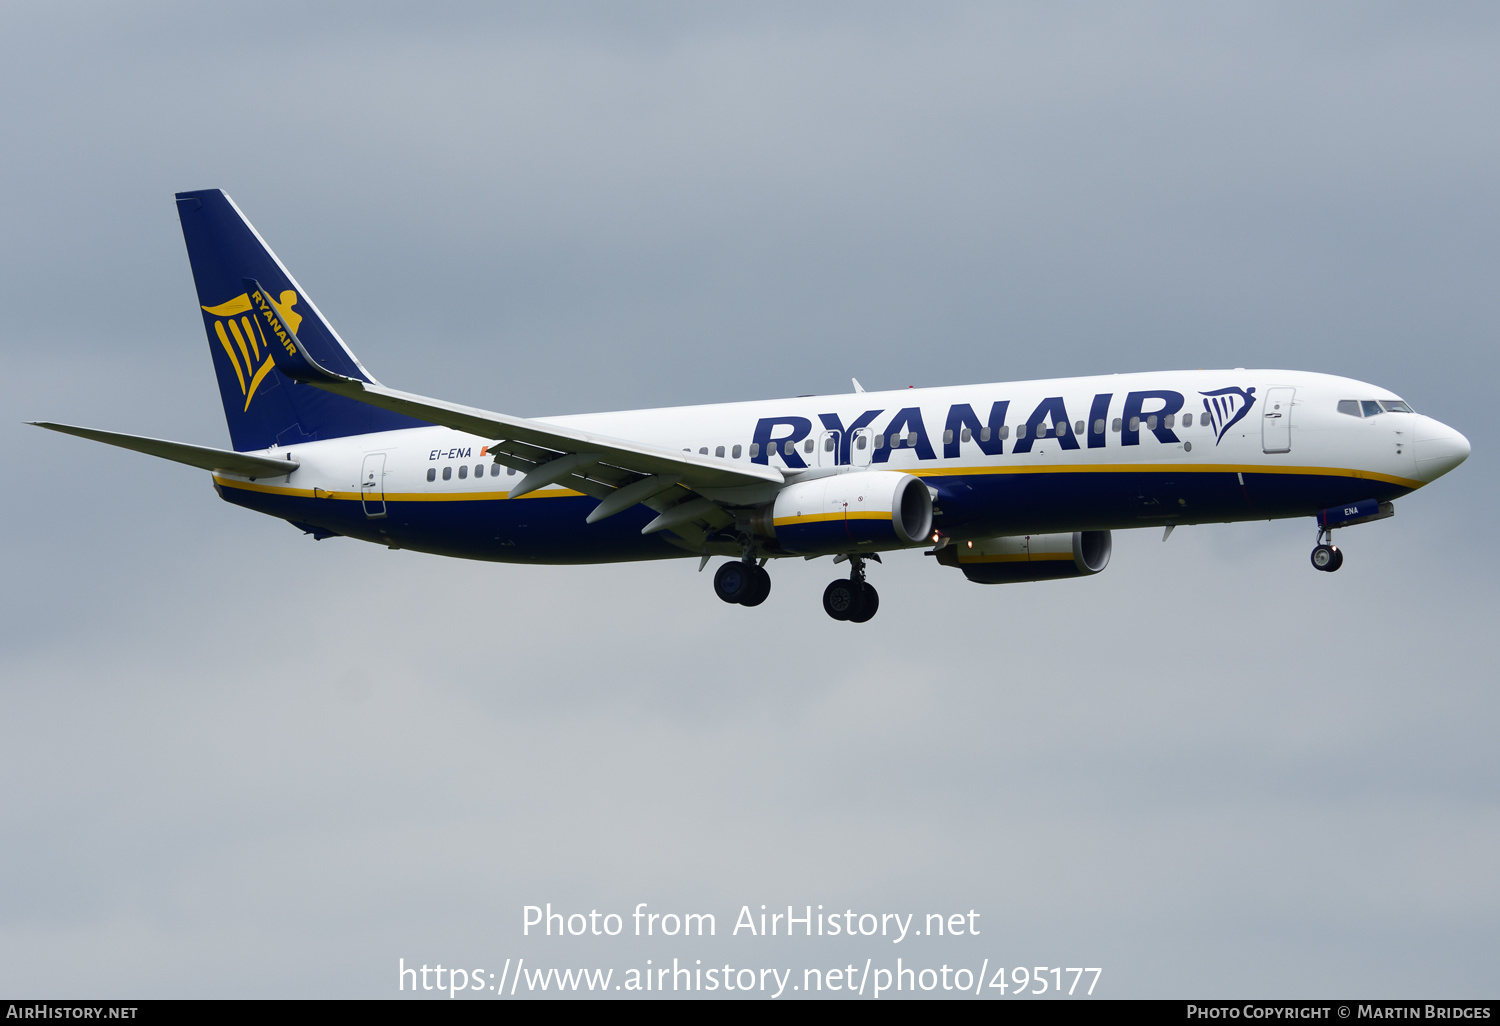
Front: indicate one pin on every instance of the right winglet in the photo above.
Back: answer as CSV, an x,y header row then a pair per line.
x,y
292,357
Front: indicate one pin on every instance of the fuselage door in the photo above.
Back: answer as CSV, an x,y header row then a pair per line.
x,y
828,449
372,485
862,447
1276,420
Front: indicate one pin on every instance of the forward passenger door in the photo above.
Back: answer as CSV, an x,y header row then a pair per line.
x,y
1276,420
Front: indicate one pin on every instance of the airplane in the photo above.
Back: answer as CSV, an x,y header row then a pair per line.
x,y
1006,482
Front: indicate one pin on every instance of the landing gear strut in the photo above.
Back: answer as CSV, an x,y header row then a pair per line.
x,y
851,600
1326,555
742,582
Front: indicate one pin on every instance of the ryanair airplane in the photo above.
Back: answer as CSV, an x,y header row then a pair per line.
x,y
1007,482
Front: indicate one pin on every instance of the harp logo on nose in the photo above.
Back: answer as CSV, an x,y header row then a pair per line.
x,y
244,341
1225,408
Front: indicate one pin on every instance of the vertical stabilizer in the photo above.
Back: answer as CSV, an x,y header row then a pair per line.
x,y
263,406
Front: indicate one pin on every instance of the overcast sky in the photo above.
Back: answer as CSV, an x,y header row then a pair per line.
x,y
239,762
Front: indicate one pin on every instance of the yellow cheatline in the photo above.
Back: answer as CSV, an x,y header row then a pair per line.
x,y
256,486
224,341
234,329
255,381
239,304
819,517
1168,468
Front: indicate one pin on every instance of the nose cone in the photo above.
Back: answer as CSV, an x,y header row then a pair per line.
x,y
1438,449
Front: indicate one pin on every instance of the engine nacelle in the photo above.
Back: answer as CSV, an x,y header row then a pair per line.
x,y
867,509
1038,557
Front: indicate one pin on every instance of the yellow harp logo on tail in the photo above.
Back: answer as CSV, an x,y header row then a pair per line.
x,y
243,341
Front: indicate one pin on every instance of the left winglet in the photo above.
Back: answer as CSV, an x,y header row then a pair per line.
x,y
292,358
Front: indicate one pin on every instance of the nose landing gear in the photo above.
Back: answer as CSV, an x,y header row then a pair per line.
x,y
1326,555
852,600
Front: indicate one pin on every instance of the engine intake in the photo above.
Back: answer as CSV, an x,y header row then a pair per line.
x,y
868,509
1037,557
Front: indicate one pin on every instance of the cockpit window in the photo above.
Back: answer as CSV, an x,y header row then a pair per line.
x,y
1371,408
1396,406
1350,406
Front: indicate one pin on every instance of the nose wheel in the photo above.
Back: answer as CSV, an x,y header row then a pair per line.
x,y
853,599
1326,555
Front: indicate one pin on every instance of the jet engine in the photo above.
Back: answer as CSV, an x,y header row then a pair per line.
x,y
1036,557
867,509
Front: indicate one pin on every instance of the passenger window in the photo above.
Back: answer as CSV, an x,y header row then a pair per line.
x,y
447,473
1078,428
828,444
859,442
1004,432
1135,423
719,452
703,451
1099,427
911,440
754,449
494,470
432,473
463,471
788,448
984,434
510,471
1060,429
1020,430
947,436
1151,422
1187,420
1169,420
807,446
880,441
1371,408
964,435
478,470
736,452
1115,427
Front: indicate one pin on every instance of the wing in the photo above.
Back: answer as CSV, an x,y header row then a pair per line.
x,y
220,461
618,471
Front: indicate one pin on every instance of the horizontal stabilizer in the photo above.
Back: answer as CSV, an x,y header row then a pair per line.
x,y
201,456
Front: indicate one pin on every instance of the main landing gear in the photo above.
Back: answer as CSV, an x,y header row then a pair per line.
x,y
851,600
742,582
1326,556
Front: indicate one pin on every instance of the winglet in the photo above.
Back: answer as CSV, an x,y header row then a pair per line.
x,y
292,358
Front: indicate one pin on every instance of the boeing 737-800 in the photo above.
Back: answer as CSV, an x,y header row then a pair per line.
x,y
1006,482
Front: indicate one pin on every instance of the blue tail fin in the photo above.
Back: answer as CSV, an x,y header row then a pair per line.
x,y
263,406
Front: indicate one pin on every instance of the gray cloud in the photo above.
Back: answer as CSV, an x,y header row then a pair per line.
x,y
245,763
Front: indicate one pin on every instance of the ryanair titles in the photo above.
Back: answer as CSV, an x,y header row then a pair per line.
x,y
1156,411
